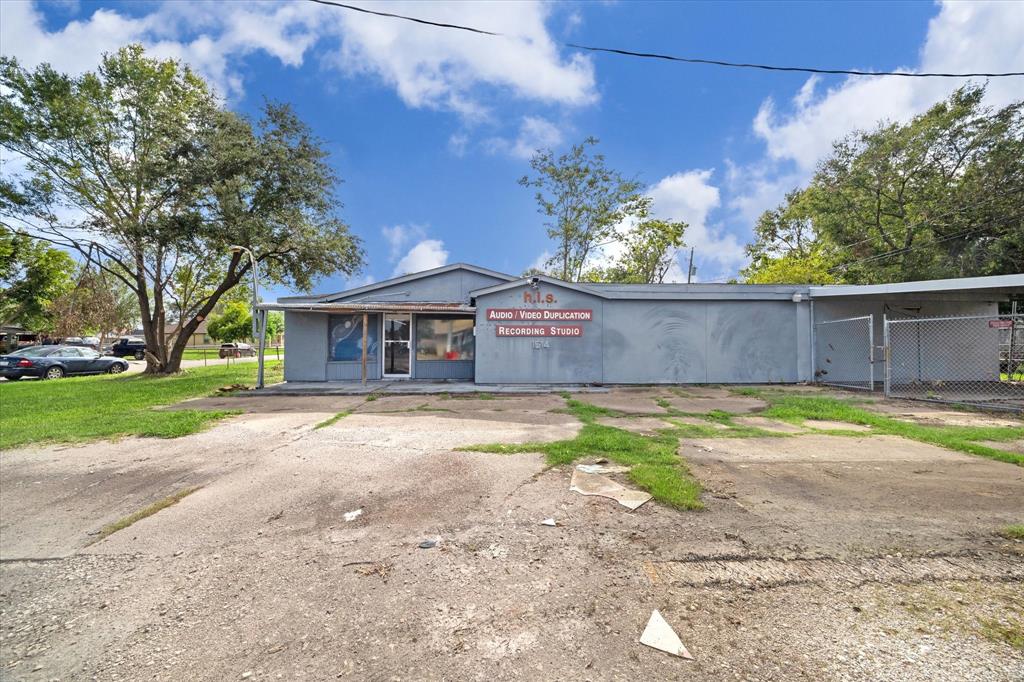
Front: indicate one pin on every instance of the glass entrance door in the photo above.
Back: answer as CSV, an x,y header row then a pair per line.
x,y
397,330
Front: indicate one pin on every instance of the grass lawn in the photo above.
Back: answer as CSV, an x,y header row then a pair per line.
x,y
795,409
106,406
655,464
271,353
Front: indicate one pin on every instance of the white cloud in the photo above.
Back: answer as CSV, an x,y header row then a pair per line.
x,y
209,37
976,36
427,254
691,197
428,67
962,37
535,132
399,236
439,69
457,144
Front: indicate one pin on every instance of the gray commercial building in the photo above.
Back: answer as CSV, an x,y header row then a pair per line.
x,y
462,322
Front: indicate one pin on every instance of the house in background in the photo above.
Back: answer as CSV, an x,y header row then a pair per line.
x,y
200,337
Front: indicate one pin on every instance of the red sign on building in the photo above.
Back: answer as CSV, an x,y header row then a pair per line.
x,y
553,330
538,315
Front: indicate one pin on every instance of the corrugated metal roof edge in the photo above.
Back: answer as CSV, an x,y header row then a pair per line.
x,y
398,280
369,307
922,286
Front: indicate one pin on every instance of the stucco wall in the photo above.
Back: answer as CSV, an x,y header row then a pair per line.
x,y
644,341
306,352
447,287
539,360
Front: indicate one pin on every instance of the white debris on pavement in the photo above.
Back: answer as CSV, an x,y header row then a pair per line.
x,y
602,468
659,635
596,484
353,515
549,522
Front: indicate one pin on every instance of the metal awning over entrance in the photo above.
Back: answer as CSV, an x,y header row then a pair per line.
x,y
350,308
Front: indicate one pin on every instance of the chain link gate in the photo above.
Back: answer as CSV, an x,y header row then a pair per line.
x,y
844,352
977,360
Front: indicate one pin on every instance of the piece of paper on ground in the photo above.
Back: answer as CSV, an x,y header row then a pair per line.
x,y
602,468
659,635
596,484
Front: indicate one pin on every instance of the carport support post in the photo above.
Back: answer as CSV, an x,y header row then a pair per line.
x,y
366,322
262,344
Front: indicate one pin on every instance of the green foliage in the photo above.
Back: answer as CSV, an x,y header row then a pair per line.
x,y
234,324
1014,532
145,512
109,406
939,196
583,200
649,248
98,304
814,267
32,276
163,181
659,468
332,420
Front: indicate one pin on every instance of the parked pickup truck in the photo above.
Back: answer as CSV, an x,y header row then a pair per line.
x,y
129,347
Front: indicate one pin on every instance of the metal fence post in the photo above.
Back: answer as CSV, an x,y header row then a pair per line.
x,y
871,352
886,354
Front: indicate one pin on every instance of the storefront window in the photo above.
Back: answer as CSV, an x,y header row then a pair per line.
x,y
444,338
347,337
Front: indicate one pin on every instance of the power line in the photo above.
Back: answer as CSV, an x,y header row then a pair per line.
x,y
908,249
675,58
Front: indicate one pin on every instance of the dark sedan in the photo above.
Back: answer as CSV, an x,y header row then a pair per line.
x,y
55,362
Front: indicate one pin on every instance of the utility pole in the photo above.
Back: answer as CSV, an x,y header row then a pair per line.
x,y
689,270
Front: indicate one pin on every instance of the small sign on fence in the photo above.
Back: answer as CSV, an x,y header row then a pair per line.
x,y
1000,324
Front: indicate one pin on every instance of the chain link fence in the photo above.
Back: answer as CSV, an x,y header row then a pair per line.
x,y
844,352
976,360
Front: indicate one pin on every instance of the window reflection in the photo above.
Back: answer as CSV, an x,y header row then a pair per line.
x,y
444,338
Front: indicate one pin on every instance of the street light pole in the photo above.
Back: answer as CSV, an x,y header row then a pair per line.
x,y
259,319
255,285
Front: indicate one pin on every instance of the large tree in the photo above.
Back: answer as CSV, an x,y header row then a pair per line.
x,y
32,276
939,196
98,304
584,201
160,181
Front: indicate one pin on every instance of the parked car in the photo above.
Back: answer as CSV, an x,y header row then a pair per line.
x,y
129,347
83,341
236,350
56,362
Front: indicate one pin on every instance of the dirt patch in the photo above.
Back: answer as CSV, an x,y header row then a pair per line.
x,y
251,402
875,491
768,424
1015,446
828,425
625,401
728,403
938,416
648,426
697,421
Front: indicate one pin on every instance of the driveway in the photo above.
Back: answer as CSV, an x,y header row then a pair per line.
x,y
817,557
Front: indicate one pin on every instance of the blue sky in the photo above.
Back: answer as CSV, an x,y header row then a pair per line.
x,y
430,129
